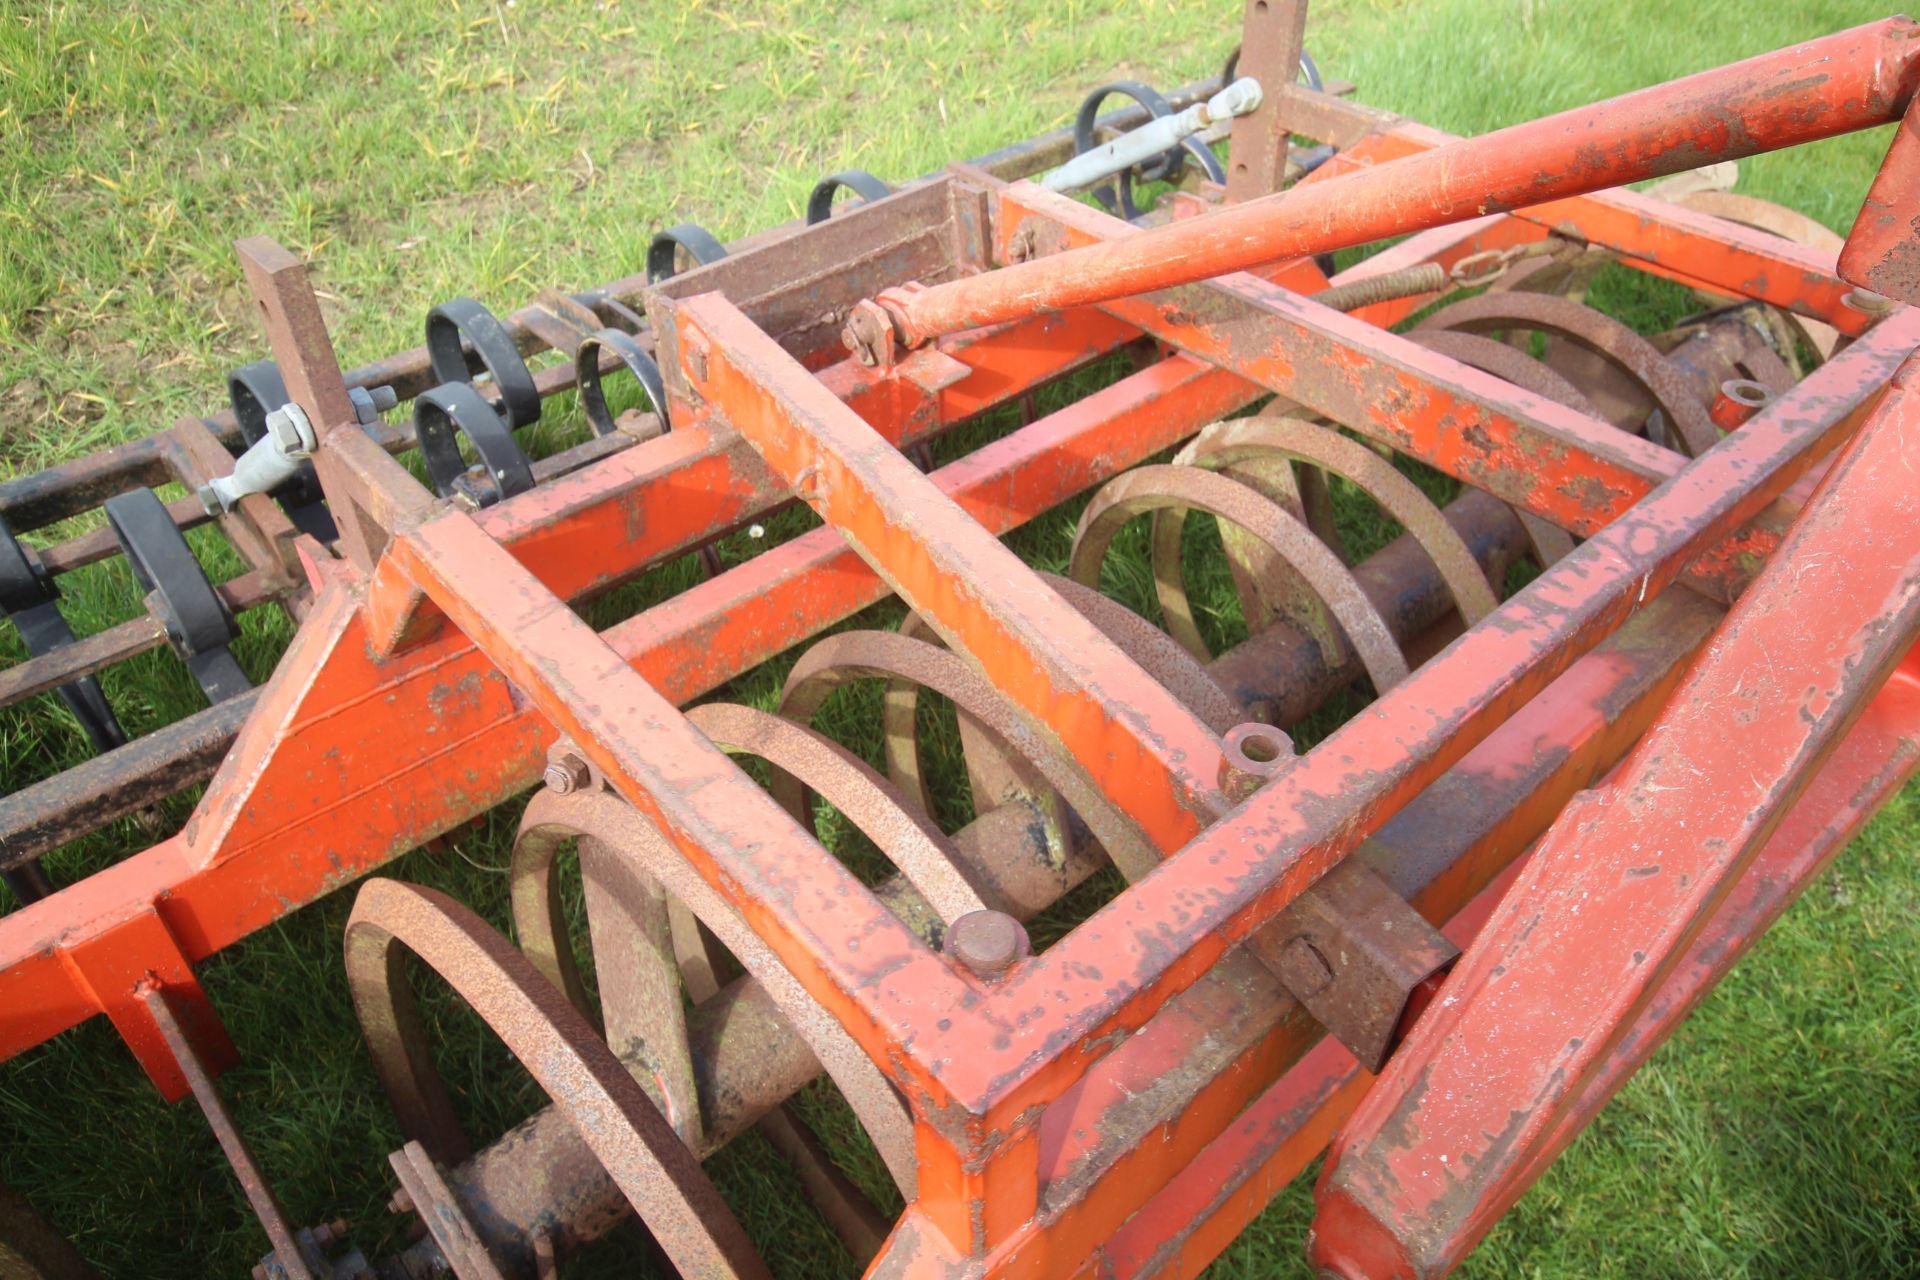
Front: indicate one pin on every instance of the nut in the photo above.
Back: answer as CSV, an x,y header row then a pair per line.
x,y
568,773
369,404
869,334
1021,245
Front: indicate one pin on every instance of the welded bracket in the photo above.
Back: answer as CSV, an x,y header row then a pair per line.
x,y
1882,252
1353,953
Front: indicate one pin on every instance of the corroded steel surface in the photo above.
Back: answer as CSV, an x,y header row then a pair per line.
x,y
1118,1098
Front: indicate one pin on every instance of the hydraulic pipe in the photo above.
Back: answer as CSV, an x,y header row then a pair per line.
x,y
1852,80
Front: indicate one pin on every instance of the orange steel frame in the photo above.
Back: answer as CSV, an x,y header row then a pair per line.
x,y
440,661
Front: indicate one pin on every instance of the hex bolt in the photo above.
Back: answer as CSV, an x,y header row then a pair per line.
x,y
370,402
401,1202
567,773
987,942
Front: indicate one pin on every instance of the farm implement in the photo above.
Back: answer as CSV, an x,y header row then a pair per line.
x,y
1201,840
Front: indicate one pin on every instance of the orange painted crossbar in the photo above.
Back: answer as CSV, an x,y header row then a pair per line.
x,y
1851,80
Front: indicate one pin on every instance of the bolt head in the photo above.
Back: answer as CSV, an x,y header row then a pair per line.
x,y
291,431
986,942
1304,970
567,774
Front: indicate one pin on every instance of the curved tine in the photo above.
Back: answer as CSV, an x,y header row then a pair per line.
x,y
1158,654
995,773
1788,224
611,821
1507,363
640,1010
1337,592
900,723
539,923
857,655
1303,496
1550,542
1597,332
613,1114
804,760
1322,447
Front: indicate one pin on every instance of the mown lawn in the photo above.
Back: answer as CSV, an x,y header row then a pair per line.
x,y
415,151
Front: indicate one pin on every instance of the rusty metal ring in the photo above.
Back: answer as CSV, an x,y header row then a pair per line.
x,y
640,1013
1599,333
863,185
1549,541
1508,364
1303,494
1156,652
613,1115
988,758
1788,224
648,949
804,760
1335,590
607,820
593,396
996,774
1225,444
856,655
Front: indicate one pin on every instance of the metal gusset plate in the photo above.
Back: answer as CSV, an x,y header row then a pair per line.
x,y
198,623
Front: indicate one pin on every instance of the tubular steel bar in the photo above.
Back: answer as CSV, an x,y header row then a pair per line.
x,y
1851,80
1273,1141
1612,901
1050,1114
1158,761
263,840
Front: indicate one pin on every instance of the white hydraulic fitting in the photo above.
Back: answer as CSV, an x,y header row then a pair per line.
x,y
1153,138
268,464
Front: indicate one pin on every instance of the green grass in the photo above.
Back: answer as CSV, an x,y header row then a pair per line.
x,y
415,151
